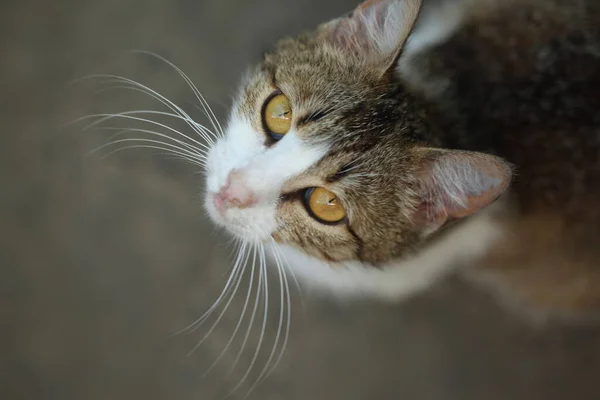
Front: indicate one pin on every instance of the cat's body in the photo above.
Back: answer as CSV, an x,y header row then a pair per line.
x,y
415,116
525,80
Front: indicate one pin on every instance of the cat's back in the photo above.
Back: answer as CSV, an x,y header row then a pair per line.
x,y
525,84
518,64
527,78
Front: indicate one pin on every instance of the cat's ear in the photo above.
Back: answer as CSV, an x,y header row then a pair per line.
x,y
455,184
376,30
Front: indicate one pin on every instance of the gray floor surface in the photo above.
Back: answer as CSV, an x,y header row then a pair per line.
x,y
101,261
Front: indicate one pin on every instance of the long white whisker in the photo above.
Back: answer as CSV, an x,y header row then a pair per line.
x,y
184,158
224,292
151,112
188,147
200,129
179,149
279,263
152,93
237,270
243,313
169,155
143,146
199,95
287,267
252,316
106,117
228,303
202,108
263,270
279,327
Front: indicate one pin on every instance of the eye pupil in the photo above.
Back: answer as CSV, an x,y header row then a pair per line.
x,y
277,116
324,206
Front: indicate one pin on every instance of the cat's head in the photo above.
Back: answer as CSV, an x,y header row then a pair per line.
x,y
325,150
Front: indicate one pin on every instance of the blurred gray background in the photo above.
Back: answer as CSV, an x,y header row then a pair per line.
x,y
101,261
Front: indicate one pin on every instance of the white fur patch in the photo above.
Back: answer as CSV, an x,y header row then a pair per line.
x,y
239,146
403,278
264,171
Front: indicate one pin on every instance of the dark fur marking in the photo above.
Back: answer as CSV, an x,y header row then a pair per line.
x,y
344,171
326,256
359,241
312,117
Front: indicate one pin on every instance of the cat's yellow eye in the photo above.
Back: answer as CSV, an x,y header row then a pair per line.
x,y
324,205
277,115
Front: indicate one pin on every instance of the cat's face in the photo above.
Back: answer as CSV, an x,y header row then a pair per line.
x,y
342,139
323,150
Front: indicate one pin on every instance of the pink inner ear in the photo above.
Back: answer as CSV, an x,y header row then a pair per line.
x,y
369,3
473,204
376,30
457,184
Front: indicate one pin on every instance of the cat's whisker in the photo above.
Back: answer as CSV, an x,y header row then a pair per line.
x,y
151,112
227,244
126,116
254,311
166,149
236,269
209,113
288,311
284,262
243,253
188,147
288,323
141,146
224,293
107,117
221,133
242,315
154,94
126,83
183,158
200,129
180,150
263,271
202,171
279,327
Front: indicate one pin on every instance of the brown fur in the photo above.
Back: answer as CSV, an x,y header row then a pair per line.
x,y
536,105
361,116
524,84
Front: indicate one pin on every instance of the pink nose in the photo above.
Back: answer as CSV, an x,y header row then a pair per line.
x,y
235,193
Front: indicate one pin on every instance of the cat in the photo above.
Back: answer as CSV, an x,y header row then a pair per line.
x,y
412,139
